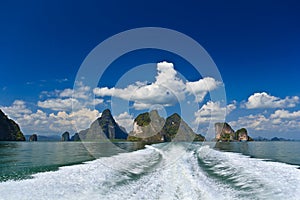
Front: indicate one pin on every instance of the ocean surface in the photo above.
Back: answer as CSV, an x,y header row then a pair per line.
x,y
124,170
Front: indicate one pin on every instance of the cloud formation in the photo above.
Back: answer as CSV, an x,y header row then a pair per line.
x,y
213,111
280,121
264,100
41,123
17,109
125,120
70,99
166,90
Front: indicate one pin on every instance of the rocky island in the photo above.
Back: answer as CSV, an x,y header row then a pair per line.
x,y
225,133
103,128
151,128
148,127
9,130
33,138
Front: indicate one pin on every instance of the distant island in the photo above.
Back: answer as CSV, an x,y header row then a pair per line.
x,y
151,128
224,133
148,127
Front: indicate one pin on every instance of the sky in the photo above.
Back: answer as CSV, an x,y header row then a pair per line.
x,y
255,46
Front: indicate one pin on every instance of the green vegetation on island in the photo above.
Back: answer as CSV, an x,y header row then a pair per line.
x,y
225,133
151,128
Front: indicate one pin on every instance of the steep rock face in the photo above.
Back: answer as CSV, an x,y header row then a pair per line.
x,y
150,127
9,130
33,138
147,128
105,127
224,132
65,136
75,137
176,129
242,134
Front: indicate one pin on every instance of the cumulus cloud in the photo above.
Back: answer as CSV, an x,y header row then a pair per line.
x,y
81,92
256,122
213,111
285,114
264,100
42,123
69,99
202,87
166,90
125,120
58,104
17,109
74,121
279,121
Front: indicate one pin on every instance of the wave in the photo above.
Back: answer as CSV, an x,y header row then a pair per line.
x,y
163,171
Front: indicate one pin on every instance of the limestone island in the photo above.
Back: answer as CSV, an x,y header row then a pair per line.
x,y
224,133
148,128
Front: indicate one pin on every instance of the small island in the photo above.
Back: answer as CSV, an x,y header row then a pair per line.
x,y
224,133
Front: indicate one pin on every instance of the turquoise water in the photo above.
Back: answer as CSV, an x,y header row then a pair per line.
x,y
18,160
72,170
286,152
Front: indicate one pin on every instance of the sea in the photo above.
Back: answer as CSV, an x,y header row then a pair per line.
x,y
127,170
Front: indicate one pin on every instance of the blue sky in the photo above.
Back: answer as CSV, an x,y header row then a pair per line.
x,y
255,45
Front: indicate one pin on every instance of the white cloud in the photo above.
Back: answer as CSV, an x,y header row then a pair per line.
x,y
264,100
41,123
80,92
285,114
202,87
125,120
213,111
279,121
255,122
70,99
59,104
166,90
74,121
17,109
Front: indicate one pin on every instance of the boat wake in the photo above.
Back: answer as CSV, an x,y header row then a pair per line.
x,y
163,172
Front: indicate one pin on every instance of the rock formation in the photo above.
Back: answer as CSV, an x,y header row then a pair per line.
x,y
176,129
9,130
75,137
65,136
151,128
33,138
242,135
147,128
224,132
105,127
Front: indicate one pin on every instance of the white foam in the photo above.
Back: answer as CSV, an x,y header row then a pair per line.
x,y
152,173
259,178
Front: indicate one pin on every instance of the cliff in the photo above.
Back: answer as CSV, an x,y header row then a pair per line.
x,y
147,128
105,127
75,137
151,128
9,130
224,132
176,129
65,136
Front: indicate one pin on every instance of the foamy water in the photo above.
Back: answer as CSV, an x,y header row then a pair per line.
x,y
160,172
